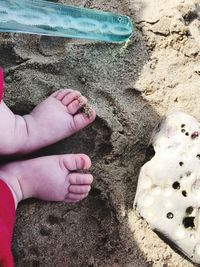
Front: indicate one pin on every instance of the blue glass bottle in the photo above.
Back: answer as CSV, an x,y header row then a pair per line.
x,y
52,19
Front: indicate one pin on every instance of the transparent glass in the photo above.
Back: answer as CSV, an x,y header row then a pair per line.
x,y
47,18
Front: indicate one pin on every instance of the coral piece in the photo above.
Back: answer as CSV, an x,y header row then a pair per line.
x,y
168,192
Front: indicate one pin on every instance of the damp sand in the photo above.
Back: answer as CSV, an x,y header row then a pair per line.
x,y
131,87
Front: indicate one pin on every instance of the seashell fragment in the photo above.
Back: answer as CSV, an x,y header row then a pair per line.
x,y
171,201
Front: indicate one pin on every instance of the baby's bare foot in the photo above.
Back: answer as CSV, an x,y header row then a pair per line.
x,y
52,178
54,119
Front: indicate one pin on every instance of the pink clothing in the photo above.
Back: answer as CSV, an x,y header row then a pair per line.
x,y
7,212
7,219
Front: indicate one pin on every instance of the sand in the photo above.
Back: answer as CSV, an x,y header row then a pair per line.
x,y
131,87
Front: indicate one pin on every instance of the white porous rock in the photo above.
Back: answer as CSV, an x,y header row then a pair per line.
x,y
168,191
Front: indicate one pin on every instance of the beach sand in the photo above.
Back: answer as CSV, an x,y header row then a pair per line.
x,y
131,86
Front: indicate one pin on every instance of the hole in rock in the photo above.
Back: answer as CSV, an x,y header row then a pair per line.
x,y
170,215
189,222
181,163
176,185
187,134
184,193
198,156
189,210
182,125
182,130
194,135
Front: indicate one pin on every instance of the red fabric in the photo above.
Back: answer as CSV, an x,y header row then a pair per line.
x,y
1,84
7,219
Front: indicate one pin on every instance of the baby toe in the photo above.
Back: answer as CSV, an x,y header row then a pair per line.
x,y
68,98
81,120
80,179
60,94
73,162
76,104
